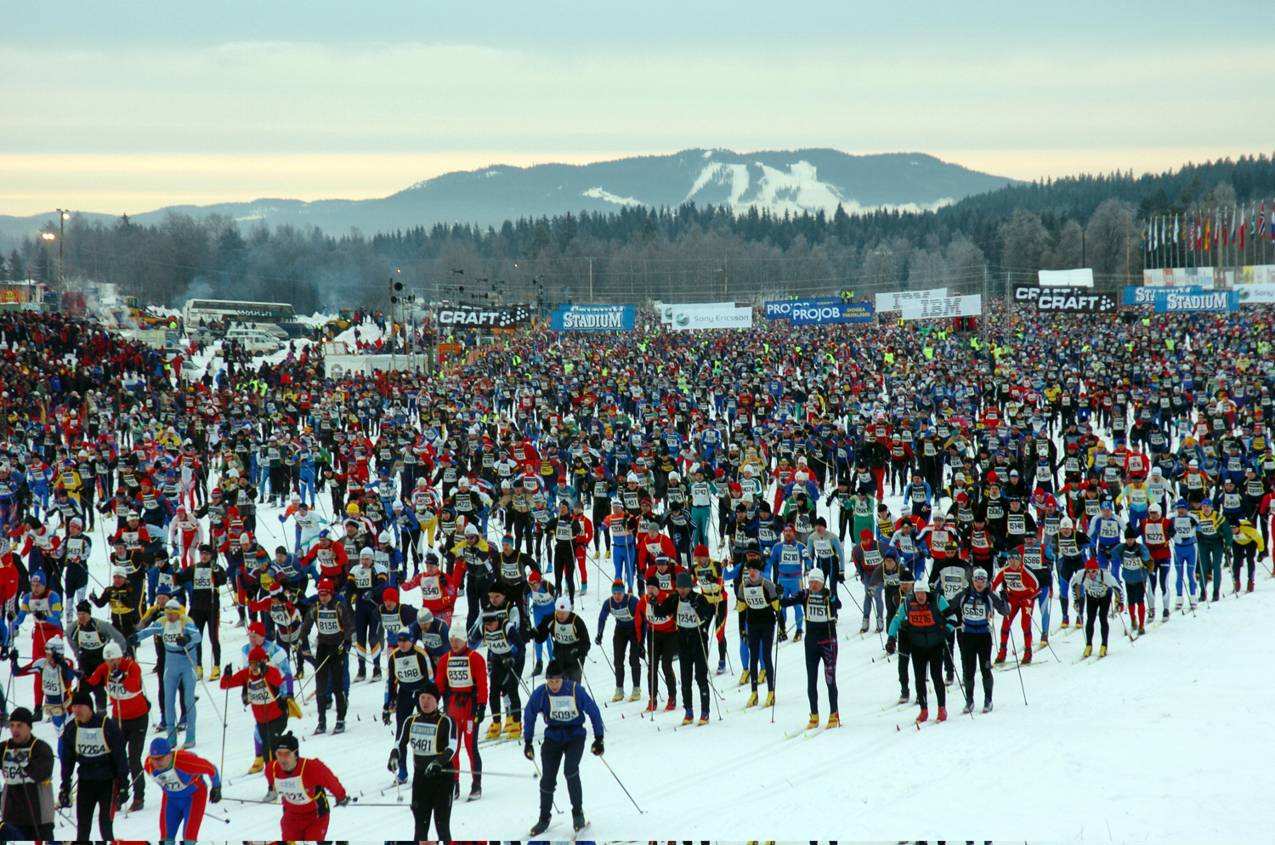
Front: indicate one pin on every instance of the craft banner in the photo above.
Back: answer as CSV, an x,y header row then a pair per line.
x,y
478,317
593,318
1064,300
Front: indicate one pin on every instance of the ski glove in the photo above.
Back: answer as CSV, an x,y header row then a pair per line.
x,y
528,752
343,801
214,795
596,748
392,763
889,647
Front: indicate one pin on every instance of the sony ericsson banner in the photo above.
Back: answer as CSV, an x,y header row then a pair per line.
x,y
1178,300
1069,300
593,318
824,310
477,317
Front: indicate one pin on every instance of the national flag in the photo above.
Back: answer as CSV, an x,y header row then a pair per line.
x,y
1261,220
1176,238
1243,224
1208,233
1226,229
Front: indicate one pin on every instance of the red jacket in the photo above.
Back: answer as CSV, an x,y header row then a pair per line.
x,y
128,701
463,674
1020,585
650,546
302,788
263,692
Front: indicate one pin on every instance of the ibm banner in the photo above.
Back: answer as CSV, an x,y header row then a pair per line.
x,y
478,317
1064,300
893,301
1177,300
706,315
593,318
970,305
825,310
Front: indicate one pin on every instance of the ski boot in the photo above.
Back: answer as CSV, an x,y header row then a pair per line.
x,y
834,719
539,827
493,730
813,722
1088,651
376,673
752,700
161,728
1027,656
671,706
942,717
1142,630
339,727
783,635
880,626
199,673
863,629
987,706
1102,651
513,728
322,727
257,766
904,698
578,821
688,718
619,694
923,716
214,674
743,677
584,588
1065,624
270,797
1235,584
721,666
361,675
797,637
1044,640
968,708
138,804
761,676
475,789
635,695
1250,585
703,719
950,677
650,706
1164,614
1000,655
770,699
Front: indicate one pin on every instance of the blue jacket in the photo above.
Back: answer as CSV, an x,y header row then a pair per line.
x,y
564,713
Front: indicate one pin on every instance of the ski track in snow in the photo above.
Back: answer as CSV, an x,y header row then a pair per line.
x,y
1158,740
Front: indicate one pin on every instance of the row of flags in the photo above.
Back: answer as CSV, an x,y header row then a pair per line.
x,y
1203,232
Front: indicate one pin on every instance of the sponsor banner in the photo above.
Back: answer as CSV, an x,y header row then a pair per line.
x,y
821,310
893,301
1256,274
814,312
970,305
478,317
1178,300
1175,277
1080,278
709,315
1064,299
593,318
1256,294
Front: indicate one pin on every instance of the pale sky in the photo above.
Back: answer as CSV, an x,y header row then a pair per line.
x,y
125,107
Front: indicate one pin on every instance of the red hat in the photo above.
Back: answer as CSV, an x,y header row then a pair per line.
x,y
326,585
992,477
257,655
257,628
961,497
389,594
700,551
865,534
1092,563
533,578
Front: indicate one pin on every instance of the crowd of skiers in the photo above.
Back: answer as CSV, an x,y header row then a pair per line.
x,y
730,491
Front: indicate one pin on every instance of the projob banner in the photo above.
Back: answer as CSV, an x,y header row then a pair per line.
x,y
1081,278
970,305
893,301
478,317
813,312
593,318
1177,300
709,315
1065,300
830,310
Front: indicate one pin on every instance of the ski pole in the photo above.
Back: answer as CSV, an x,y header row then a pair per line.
x,y
703,642
225,709
487,773
1045,638
621,783
1125,626
1019,666
774,679
969,697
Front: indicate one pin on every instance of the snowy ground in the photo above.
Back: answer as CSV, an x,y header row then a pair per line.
x,y
1161,739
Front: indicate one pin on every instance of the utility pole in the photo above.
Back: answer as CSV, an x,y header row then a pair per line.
x,y
62,215
590,278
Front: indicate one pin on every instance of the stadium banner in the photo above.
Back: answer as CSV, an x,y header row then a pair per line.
x,y
1079,278
1054,300
1131,295
478,317
1179,300
1177,277
709,315
970,305
818,311
593,318
1255,293
1256,274
893,300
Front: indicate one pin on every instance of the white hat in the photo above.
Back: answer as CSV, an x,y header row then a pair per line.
x,y
366,551
920,586
384,537
816,574
245,539
119,572
111,651
54,644
173,604
1066,522
563,603
1154,508
980,573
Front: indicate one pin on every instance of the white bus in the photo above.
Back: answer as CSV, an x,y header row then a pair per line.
x,y
200,311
